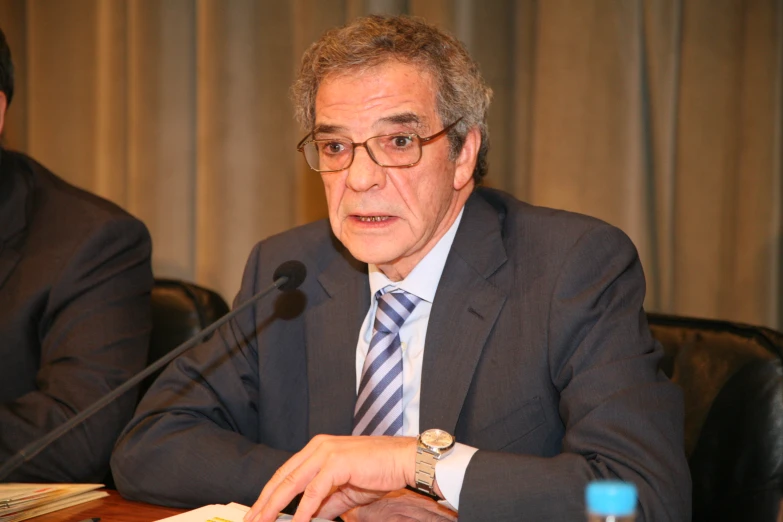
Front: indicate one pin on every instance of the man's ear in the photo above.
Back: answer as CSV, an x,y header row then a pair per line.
x,y
466,161
3,107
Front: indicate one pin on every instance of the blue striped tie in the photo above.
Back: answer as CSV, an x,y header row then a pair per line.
x,y
379,403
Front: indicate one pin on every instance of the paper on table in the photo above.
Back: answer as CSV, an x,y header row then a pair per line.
x,y
22,501
211,513
232,512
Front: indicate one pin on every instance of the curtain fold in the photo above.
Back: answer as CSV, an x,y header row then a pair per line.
x,y
661,28
161,127
662,117
724,205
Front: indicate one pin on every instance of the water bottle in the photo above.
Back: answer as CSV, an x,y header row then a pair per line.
x,y
610,501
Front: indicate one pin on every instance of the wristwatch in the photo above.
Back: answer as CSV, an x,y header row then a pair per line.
x,y
432,445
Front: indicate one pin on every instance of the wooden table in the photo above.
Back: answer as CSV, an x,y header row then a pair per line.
x,y
113,508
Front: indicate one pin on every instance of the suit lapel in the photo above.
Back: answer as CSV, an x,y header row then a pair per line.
x,y
464,312
9,257
332,333
15,206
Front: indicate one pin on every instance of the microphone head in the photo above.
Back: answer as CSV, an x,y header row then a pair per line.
x,y
295,271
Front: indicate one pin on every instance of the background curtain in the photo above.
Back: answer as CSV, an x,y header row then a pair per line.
x,y
663,117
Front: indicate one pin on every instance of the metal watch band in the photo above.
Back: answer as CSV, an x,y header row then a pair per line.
x,y
425,470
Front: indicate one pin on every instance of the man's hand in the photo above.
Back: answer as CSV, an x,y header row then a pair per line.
x,y
401,506
337,474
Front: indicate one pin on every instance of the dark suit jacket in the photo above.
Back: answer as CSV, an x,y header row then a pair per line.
x,y
537,352
75,279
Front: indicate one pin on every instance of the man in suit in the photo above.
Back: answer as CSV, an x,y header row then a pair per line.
x,y
75,279
430,304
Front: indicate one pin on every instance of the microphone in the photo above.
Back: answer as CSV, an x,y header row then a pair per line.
x,y
294,273
287,277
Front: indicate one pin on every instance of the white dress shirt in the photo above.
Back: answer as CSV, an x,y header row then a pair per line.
x,y
423,283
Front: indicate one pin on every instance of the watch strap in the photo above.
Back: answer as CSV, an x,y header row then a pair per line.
x,y
425,470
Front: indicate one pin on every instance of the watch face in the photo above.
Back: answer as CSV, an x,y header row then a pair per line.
x,y
437,439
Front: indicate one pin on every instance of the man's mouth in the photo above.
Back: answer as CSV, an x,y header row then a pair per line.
x,y
372,219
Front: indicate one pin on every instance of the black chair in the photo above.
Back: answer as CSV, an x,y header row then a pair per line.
x,y
179,311
732,378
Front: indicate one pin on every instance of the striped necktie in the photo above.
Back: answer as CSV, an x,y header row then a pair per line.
x,y
379,403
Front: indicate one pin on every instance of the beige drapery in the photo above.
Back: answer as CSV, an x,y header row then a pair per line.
x,y
663,117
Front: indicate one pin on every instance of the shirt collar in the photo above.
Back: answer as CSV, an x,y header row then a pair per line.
x,y
425,276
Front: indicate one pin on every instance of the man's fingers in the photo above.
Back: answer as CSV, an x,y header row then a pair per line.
x,y
314,494
278,496
282,475
313,477
333,506
282,495
254,514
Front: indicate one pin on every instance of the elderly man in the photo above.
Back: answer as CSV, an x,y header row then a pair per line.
x,y
75,280
436,311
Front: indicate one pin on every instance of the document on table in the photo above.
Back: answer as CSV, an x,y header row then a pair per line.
x,y
232,512
23,501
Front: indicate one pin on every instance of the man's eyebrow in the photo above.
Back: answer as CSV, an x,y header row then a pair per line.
x,y
405,118
327,129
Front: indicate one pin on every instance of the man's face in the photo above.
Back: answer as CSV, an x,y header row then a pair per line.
x,y
391,217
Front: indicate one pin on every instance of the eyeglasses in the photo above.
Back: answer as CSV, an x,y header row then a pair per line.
x,y
389,150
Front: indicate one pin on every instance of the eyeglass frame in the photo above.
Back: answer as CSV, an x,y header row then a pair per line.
x,y
422,142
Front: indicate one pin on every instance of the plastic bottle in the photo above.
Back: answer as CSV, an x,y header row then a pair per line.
x,y
610,501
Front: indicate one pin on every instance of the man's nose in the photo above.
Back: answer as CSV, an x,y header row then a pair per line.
x,y
364,173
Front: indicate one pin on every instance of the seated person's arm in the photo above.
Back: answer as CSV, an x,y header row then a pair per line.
x,y
192,441
94,335
623,418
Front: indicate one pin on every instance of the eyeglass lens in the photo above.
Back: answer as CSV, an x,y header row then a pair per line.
x,y
397,150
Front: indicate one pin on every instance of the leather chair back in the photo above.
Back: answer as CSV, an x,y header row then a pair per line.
x,y
732,378
179,311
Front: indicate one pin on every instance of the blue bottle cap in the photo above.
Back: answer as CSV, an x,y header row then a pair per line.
x,y
611,497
